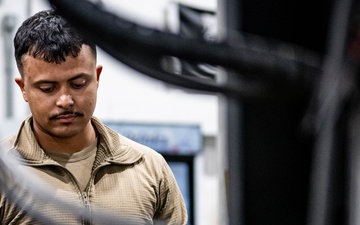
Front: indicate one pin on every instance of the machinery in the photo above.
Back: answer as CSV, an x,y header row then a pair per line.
x,y
288,74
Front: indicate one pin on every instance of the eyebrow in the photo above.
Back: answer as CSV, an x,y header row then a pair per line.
x,y
36,83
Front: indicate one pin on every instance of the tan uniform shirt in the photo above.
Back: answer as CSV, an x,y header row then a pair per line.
x,y
129,182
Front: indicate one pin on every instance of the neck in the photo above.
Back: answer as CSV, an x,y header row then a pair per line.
x,y
68,144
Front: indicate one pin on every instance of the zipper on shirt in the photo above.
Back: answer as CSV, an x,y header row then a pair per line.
x,y
87,209
87,212
85,198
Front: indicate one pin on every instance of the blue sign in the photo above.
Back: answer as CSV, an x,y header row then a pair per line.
x,y
164,138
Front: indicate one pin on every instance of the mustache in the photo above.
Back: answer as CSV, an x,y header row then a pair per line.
x,y
56,116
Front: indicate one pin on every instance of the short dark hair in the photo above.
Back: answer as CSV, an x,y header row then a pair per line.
x,y
49,36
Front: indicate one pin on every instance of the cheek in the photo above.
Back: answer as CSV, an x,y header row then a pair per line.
x,y
38,110
91,95
39,103
92,102
86,101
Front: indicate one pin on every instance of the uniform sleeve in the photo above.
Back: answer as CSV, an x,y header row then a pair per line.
x,y
172,209
1,204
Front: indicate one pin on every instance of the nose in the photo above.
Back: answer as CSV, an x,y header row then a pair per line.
x,y
65,101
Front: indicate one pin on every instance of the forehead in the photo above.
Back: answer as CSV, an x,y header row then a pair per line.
x,y
38,68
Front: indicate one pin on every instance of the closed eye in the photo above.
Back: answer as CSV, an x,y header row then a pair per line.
x,y
47,88
78,84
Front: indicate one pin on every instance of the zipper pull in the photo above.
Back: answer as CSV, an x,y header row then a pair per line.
x,y
86,199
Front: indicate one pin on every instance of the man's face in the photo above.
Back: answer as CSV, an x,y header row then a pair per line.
x,y
61,97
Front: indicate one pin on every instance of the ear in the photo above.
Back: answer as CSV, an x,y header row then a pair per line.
x,y
21,85
98,72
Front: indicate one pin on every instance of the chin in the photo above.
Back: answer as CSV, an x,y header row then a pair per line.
x,y
65,133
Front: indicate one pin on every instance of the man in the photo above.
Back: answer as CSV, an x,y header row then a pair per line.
x,y
83,161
